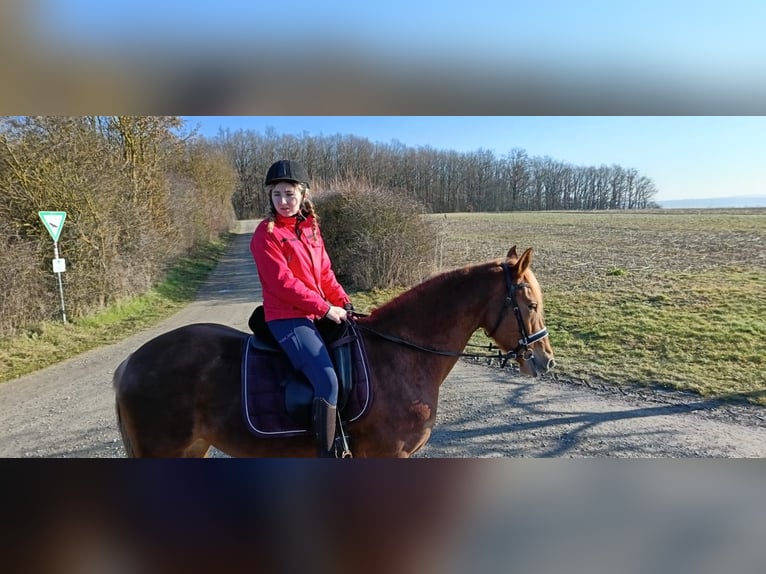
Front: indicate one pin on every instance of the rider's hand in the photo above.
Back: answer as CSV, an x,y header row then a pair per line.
x,y
336,314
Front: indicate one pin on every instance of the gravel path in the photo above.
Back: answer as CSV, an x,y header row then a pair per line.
x,y
67,410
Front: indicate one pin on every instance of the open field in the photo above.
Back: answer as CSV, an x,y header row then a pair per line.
x,y
673,298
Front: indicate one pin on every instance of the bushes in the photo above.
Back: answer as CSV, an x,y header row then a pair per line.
x,y
376,238
24,286
137,195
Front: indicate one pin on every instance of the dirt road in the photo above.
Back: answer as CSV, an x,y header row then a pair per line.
x,y
67,410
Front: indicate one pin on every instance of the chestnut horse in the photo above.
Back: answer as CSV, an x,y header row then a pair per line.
x,y
179,394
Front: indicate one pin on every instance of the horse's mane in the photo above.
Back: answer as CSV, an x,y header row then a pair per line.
x,y
455,276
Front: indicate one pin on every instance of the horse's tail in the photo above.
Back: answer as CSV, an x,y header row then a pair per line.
x,y
120,424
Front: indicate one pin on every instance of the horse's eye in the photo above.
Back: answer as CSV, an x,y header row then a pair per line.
x,y
533,306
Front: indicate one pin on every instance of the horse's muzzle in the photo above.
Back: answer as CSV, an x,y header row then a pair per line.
x,y
549,365
536,366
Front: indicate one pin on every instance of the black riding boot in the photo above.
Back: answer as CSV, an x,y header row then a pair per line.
x,y
323,421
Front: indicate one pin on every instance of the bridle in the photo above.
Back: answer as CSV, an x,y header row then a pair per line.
x,y
522,349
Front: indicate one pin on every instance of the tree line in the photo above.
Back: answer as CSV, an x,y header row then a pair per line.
x,y
443,181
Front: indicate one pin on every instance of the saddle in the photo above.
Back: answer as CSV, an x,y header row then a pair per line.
x,y
277,398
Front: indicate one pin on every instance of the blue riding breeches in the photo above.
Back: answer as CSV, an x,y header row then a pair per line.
x,y
307,352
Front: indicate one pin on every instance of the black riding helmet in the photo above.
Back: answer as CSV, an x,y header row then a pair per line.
x,y
287,170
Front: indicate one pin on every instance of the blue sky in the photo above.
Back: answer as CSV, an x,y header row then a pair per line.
x,y
686,156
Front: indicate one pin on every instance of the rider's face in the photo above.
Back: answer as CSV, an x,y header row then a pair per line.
x,y
286,198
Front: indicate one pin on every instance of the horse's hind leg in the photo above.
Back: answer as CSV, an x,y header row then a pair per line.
x,y
127,443
135,447
121,423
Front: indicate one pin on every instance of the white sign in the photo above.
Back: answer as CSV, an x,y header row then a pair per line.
x,y
53,221
59,265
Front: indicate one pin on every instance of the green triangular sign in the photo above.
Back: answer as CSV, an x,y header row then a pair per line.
x,y
53,221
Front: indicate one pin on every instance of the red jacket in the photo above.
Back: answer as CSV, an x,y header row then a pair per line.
x,y
295,271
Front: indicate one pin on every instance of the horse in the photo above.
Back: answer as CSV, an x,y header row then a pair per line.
x,y
180,393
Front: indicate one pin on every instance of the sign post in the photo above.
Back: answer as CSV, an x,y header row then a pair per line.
x,y
54,223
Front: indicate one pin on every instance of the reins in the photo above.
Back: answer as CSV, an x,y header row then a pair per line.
x,y
522,350
503,357
406,343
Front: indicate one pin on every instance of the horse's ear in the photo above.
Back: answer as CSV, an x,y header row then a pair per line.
x,y
512,255
523,262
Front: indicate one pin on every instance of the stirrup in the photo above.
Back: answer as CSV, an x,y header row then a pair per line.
x,y
341,441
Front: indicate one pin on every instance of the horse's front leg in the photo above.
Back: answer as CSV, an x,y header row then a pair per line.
x,y
413,447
